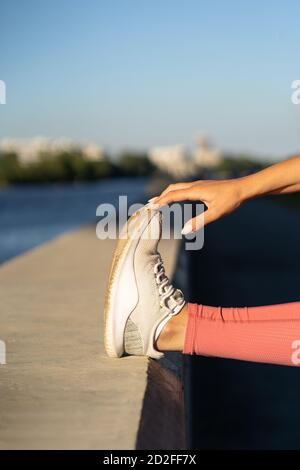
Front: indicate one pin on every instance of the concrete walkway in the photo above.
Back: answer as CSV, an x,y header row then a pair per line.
x,y
58,389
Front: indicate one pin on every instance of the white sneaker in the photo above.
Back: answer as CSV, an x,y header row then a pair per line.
x,y
140,299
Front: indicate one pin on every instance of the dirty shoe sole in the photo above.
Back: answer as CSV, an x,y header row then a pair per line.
x,y
122,294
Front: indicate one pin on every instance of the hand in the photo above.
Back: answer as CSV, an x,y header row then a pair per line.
x,y
220,196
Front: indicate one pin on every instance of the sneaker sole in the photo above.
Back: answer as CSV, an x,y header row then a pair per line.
x,y
118,304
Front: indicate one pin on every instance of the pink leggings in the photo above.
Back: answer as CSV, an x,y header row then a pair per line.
x,y
260,334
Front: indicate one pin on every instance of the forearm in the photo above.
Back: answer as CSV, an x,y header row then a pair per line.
x,y
294,188
281,178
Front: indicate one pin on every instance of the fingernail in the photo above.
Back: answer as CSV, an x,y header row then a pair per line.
x,y
187,228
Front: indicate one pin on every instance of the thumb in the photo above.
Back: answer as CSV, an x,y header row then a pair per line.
x,y
199,222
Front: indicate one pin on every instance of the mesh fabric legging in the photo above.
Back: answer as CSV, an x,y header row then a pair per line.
x,y
261,334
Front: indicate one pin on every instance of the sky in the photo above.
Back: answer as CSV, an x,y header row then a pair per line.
x,y
131,74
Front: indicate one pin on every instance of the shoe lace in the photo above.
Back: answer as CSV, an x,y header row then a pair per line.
x,y
165,289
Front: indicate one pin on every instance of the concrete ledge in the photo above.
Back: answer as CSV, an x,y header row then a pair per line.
x,y
58,388
162,423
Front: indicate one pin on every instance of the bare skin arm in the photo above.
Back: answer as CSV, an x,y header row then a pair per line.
x,y
224,196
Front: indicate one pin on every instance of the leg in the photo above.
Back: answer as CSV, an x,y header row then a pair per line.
x,y
173,335
268,334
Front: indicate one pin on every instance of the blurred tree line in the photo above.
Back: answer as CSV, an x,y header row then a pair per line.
x,y
71,167
233,166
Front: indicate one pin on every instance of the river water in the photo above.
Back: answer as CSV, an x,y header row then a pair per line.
x,y
33,214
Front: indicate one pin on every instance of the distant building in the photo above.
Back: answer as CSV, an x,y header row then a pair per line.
x,y
27,150
172,160
92,152
179,163
204,155
32,150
